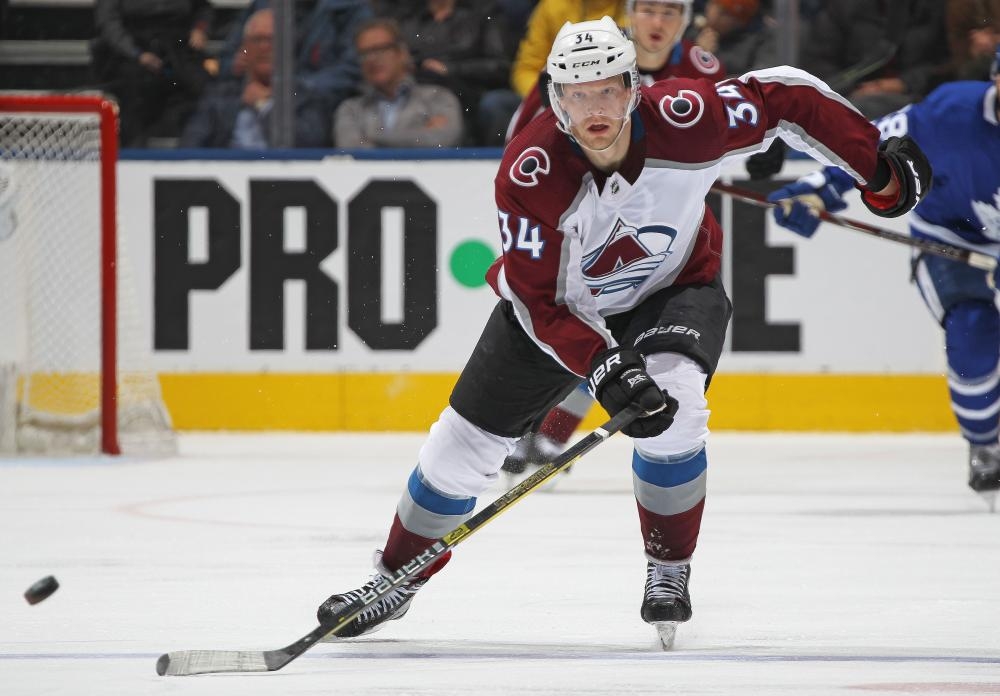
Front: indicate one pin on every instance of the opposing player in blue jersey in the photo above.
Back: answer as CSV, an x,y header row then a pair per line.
x,y
958,127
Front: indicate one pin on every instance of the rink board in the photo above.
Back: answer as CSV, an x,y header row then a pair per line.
x,y
346,294
411,402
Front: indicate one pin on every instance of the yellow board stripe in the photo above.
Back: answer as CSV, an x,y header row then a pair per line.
x,y
412,401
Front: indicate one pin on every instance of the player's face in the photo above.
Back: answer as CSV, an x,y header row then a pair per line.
x,y
596,110
656,26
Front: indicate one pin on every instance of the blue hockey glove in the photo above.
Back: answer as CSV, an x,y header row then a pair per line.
x,y
800,203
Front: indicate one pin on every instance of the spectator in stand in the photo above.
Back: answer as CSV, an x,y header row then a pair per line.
x,y
739,34
543,25
326,66
882,55
462,47
237,113
150,55
973,35
393,110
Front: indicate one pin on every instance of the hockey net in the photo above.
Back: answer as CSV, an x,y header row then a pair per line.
x,y
75,370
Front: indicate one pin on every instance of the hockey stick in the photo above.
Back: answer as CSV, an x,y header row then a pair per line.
x,y
949,251
187,662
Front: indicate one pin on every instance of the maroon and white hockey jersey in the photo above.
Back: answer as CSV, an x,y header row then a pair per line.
x,y
579,245
686,60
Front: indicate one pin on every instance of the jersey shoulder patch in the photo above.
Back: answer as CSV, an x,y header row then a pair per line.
x,y
704,61
539,167
532,163
685,121
682,103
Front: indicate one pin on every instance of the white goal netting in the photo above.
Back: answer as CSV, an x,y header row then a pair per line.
x,y
51,344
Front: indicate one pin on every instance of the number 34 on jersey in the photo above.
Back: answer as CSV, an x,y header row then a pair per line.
x,y
527,238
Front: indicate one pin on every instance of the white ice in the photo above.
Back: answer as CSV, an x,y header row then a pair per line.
x,y
826,565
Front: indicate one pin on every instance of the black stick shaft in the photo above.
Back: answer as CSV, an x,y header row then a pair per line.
x,y
948,251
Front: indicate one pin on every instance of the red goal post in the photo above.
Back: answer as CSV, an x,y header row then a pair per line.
x,y
59,155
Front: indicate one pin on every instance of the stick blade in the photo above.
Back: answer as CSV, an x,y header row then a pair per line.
x,y
187,662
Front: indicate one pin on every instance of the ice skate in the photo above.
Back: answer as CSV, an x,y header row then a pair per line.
x,y
532,452
391,607
984,472
666,602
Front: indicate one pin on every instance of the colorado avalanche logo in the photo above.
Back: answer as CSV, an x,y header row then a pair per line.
x,y
529,164
627,257
703,60
684,110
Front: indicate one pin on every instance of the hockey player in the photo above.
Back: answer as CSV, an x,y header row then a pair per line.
x,y
611,272
958,126
657,30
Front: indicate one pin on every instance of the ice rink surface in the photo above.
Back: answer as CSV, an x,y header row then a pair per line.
x,y
826,565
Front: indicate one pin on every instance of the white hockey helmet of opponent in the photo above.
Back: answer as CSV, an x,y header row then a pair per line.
x,y
587,52
686,6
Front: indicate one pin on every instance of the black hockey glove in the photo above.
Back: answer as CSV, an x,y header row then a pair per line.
x,y
909,166
766,164
618,379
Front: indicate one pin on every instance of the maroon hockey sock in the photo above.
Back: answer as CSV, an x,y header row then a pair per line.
x,y
559,425
403,546
671,537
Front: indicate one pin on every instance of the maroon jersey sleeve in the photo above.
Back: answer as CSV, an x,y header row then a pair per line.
x,y
810,117
537,183
699,122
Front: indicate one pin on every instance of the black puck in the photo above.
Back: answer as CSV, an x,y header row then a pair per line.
x,y
41,589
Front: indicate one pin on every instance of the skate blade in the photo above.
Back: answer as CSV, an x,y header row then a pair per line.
x,y
667,631
990,498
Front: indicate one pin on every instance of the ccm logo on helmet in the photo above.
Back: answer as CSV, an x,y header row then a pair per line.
x,y
586,63
528,165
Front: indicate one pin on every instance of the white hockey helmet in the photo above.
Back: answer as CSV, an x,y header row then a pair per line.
x,y
589,51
